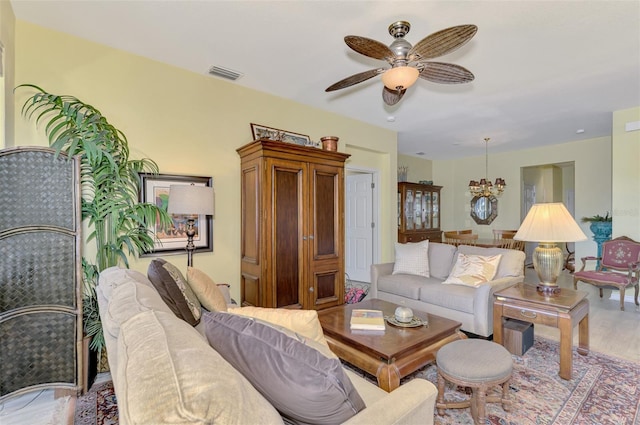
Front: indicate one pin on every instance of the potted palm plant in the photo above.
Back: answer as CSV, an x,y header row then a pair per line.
x,y
601,227
110,181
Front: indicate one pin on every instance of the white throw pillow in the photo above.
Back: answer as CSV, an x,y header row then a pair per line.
x,y
412,258
473,270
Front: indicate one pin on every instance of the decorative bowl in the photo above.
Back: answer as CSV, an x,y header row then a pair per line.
x,y
404,314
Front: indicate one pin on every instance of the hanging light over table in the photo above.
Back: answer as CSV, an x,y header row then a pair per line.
x,y
484,186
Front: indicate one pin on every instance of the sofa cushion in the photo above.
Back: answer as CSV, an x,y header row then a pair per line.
x,y
473,270
174,290
301,383
304,322
404,285
441,259
208,293
412,258
169,374
511,263
452,297
128,299
112,277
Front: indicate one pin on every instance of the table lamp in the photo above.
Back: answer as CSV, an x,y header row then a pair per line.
x,y
192,201
547,224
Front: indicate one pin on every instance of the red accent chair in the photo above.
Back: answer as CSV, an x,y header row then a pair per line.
x,y
619,267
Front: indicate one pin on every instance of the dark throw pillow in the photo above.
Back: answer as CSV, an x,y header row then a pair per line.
x,y
175,291
301,383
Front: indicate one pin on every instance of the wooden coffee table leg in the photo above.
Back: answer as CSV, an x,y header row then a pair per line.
x,y
388,377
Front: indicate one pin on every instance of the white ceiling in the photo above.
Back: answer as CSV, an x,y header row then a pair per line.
x,y
544,69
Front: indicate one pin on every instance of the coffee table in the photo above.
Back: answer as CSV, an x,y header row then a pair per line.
x,y
564,311
388,355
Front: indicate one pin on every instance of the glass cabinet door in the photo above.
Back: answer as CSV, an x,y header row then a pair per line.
x,y
408,210
436,211
428,223
417,211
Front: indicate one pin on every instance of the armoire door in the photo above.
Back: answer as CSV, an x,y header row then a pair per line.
x,y
325,236
286,251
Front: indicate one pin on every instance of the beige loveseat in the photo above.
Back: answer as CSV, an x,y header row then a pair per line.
x,y
165,372
472,306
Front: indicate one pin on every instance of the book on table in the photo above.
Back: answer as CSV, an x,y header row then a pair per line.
x,y
364,319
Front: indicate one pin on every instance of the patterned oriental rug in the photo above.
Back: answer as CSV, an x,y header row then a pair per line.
x,y
604,391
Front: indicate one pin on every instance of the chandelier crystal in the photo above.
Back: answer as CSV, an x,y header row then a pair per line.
x,y
484,186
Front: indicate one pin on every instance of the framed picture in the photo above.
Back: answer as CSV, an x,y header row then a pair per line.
x,y
263,132
154,188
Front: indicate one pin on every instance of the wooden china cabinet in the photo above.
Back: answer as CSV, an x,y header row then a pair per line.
x,y
292,242
418,212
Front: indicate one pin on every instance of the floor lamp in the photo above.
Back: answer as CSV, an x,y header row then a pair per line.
x,y
192,201
547,224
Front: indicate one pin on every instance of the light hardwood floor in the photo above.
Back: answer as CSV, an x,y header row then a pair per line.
x,y
611,331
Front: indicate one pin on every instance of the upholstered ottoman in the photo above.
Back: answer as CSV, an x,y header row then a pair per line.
x,y
478,364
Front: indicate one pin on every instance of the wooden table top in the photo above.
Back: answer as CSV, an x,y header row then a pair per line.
x,y
395,341
565,300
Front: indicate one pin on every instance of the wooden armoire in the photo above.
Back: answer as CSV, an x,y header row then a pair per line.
x,y
292,244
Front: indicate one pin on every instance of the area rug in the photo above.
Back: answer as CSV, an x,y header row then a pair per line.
x,y
98,406
604,390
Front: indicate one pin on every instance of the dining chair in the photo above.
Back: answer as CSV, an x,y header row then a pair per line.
x,y
503,234
453,238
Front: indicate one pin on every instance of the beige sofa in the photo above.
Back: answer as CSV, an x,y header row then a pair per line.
x,y
165,372
472,306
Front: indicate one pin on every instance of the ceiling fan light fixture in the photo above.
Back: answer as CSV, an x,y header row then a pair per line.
x,y
400,78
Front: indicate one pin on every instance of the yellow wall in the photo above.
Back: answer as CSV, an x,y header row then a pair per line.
x,y
418,168
7,24
189,124
626,175
593,182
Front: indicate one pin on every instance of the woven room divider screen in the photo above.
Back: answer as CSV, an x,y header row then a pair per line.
x,y
40,271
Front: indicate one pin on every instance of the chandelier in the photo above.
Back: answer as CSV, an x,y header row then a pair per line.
x,y
484,188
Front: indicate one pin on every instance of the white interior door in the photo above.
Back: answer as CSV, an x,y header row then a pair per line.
x,y
528,199
359,226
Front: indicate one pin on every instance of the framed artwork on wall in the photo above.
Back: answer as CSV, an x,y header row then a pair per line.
x,y
154,188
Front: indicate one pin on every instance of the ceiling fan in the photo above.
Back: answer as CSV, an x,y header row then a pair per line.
x,y
410,62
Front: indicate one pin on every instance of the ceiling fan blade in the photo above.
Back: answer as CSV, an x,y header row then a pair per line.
x,y
368,47
443,42
391,97
355,79
445,73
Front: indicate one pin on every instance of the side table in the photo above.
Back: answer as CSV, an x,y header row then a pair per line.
x,y
563,311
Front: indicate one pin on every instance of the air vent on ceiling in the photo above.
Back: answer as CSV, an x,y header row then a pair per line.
x,y
227,73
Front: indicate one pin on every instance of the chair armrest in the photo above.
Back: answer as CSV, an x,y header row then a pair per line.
x,y
378,270
589,258
411,403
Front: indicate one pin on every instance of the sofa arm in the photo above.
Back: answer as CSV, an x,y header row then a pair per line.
x,y
411,403
378,270
483,302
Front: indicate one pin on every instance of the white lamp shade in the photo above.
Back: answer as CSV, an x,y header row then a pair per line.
x,y
400,78
549,222
191,200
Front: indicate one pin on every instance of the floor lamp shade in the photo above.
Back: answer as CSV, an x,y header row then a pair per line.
x,y
192,201
547,224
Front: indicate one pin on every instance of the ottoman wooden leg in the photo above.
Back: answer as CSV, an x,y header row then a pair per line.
x,y
440,404
481,405
506,401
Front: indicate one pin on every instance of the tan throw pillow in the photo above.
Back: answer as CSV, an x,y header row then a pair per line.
x,y
206,290
412,258
303,322
473,270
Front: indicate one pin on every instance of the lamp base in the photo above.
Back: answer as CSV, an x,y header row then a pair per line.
x,y
548,261
548,290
